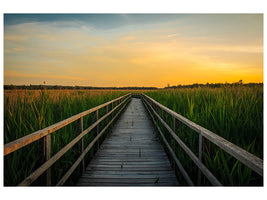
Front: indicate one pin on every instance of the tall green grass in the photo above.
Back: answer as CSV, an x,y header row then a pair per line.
x,y
234,113
26,111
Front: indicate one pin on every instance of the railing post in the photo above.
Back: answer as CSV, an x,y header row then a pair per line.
x,y
79,131
174,144
156,108
107,120
97,127
164,116
200,140
47,142
112,115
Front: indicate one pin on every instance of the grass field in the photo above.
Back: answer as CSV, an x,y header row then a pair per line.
x,y
234,113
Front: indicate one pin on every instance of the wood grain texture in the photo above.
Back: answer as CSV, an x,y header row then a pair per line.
x,y
131,155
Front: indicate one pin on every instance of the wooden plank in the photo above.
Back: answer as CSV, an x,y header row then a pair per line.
x,y
128,163
136,150
152,173
127,178
127,168
133,181
130,182
97,128
199,156
248,159
80,130
124,157
28,139
48,154
117,159
146,165
127,184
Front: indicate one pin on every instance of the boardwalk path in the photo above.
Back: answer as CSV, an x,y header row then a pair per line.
x,y
131,155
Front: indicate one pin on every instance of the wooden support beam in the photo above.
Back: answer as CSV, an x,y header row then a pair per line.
x,y
200,140
79,131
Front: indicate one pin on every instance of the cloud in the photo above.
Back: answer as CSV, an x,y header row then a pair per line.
x,y
127,38
15,38
42,76
97,21
172,35
232,48
14,50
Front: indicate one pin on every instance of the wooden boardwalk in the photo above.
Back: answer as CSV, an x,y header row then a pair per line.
x,y
131,155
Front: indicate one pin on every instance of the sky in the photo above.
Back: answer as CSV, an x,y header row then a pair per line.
x,y
114,50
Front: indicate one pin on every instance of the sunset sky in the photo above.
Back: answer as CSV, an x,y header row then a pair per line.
x,y
132,49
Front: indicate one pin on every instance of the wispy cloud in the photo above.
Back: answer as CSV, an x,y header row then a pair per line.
x,y
15,38
42,76
172,35
14,50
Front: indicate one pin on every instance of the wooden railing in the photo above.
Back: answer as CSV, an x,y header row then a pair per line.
x,y
117,105
154,108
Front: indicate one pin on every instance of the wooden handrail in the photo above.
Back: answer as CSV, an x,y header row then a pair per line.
x,y
45,167
70,171
202,167
178,163
32,177
28,139
248,159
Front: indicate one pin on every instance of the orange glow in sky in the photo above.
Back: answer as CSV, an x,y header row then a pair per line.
x,y
132,49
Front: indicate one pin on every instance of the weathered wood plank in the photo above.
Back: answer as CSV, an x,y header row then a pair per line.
x,y
48,155
128,176
127,168
125,163
167,173
127,184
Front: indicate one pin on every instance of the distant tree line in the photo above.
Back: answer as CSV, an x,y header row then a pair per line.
x,y
195,85
215,85
56,87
